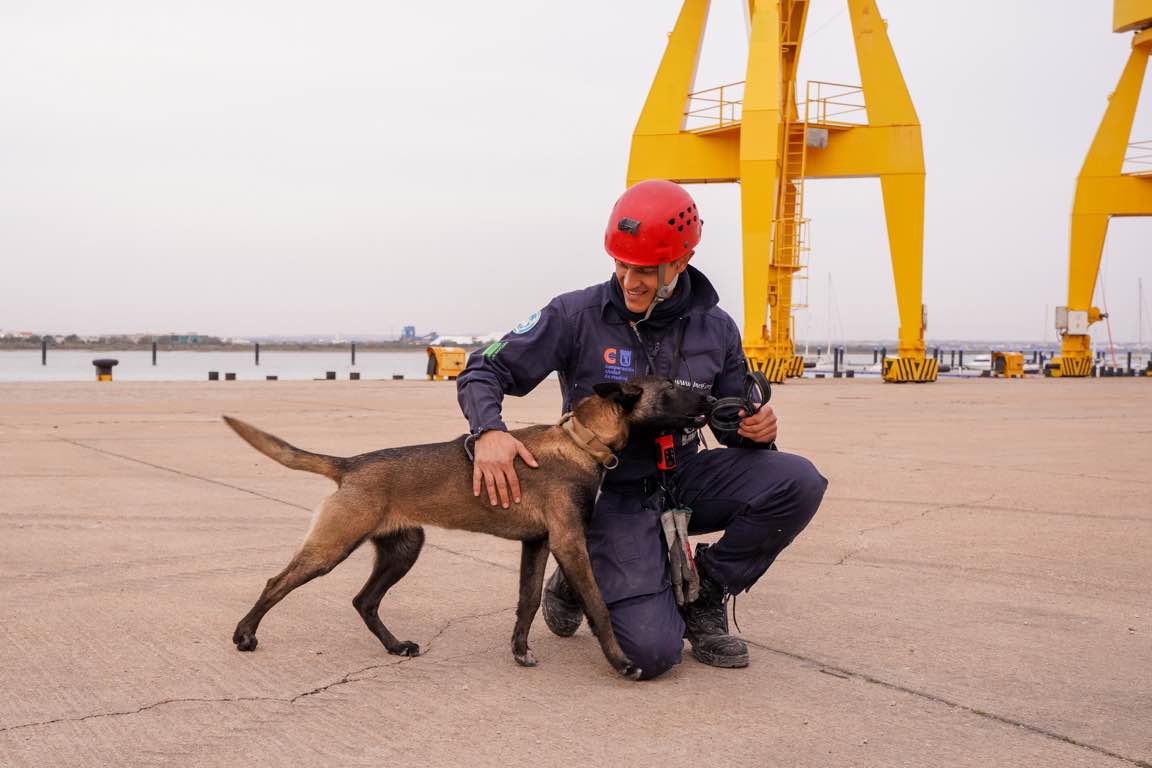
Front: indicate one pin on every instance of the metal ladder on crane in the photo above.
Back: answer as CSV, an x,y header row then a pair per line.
x,y
790,232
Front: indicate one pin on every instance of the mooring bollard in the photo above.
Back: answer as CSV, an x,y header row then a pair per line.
x,y
153,353
104,368
849,374
353,353
397,377
229,377
213,375
330,375
257,353
354,376
271,378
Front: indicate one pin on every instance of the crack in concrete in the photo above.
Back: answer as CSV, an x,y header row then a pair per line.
x,y
996,508
182,473
348,678
998,467
901,521
842,672
241,488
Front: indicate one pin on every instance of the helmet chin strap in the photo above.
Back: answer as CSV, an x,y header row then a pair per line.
x,y
663,292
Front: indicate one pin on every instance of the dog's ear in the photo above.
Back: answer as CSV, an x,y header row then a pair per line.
x,y
629,396
625,394
609,390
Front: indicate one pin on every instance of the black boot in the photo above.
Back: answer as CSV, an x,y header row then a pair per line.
x,y
562,609
706,621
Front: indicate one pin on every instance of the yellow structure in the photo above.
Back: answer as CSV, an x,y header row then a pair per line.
x,y
759,133
104,366
446,363
1103,190
1010,365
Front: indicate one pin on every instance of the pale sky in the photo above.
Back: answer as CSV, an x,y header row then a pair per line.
x,y
350,167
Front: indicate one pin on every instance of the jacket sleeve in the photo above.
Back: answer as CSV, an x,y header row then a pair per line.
x,y
730,383
513,366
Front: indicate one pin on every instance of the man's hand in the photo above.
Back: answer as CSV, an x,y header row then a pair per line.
x,y
760,427
495,453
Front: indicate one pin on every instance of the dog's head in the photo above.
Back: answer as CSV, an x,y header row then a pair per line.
x,y
647,403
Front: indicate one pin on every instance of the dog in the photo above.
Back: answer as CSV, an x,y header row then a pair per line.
x,y
387,496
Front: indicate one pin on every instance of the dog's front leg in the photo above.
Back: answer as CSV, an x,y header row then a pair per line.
x,y
533,559
571,553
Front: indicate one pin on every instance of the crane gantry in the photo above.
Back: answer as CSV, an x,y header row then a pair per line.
x,y
1105,188
760,134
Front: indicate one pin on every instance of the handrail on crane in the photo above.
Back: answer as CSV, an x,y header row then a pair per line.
x,y
830,104
835,104
718,111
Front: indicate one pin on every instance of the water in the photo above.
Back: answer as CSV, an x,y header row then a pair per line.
x,y
76,365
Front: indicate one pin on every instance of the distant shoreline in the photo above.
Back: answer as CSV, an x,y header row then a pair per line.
x,y
10,345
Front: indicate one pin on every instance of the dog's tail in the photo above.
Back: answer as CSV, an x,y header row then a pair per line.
x,y
290,456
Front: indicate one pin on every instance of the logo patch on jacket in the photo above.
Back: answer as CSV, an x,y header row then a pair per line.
x,y
528,324
618,364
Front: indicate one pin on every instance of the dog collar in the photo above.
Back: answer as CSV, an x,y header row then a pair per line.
x,y
588,440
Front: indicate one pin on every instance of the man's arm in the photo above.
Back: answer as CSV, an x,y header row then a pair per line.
x,y
513,366
757,430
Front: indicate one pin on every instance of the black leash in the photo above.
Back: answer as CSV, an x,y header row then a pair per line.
x,y
725,416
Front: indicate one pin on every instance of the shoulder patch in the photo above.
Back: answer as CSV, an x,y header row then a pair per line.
x,y
494,348
528,324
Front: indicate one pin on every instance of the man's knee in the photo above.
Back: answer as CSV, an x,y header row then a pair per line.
x,y
791,482
808,485
650,632
657,655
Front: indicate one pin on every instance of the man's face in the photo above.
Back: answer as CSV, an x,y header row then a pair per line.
x,y
639,284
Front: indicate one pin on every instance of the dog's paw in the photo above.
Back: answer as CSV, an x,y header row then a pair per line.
x,y
526,659
245,641
405,648
631,671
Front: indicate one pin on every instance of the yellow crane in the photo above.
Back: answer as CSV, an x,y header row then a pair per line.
x,y
1104,190
760,134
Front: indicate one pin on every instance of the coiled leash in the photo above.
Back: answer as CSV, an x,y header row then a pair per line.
x,y
725,416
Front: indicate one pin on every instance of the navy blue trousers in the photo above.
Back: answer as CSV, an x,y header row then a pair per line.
x,y
760,499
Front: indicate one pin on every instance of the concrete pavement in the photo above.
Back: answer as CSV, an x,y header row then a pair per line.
x,y
976,590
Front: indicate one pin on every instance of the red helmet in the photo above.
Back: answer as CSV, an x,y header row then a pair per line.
x,y
654,222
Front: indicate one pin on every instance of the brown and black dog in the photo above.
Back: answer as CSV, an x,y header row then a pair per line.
x,y
387,495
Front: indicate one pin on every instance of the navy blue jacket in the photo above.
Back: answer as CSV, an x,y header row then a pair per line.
x,y
586,340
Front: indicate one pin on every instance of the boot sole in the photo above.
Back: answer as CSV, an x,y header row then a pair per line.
x,y
561,626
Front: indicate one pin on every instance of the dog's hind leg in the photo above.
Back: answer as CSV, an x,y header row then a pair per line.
x,y
395,554
338,529
533,559
571,553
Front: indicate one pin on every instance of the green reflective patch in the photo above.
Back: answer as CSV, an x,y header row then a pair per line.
x,y
491,350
